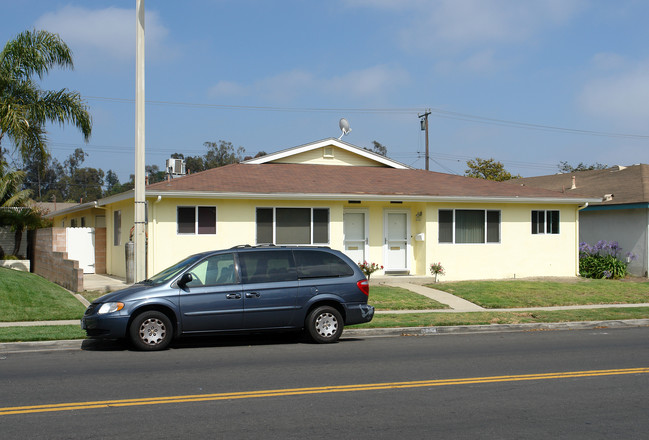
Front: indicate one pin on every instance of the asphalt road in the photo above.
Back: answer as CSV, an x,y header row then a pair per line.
x,y
590,384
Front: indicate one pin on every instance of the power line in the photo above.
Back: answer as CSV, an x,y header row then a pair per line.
x,y
437,112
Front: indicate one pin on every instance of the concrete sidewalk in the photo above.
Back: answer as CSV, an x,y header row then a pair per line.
x,y
459,305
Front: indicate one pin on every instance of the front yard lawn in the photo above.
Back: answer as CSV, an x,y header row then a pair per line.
x,y
396,298
527,293
28,297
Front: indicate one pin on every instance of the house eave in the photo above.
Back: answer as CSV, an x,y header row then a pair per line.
x,y
369,197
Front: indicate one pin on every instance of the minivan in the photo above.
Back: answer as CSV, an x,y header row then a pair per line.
x,y
242,289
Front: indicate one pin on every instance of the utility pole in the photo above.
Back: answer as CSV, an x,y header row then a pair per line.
x,y
424,126
140,202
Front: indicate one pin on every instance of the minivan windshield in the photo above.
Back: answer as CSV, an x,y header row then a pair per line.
x,y
171,272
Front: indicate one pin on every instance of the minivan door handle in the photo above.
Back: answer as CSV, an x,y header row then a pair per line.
x,y
252,295
233,296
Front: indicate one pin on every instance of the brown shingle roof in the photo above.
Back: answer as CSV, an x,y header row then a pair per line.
x,y
626,184
326,179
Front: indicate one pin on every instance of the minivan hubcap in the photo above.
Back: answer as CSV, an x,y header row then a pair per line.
x,y
326,324
152,331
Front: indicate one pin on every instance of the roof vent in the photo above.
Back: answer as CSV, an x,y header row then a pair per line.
x,y
618,168
608,197
574,182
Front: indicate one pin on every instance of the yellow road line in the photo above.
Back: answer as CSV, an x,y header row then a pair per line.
x,y
312,390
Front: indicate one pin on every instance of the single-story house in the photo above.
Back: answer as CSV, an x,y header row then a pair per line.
x,y
623,213
335,194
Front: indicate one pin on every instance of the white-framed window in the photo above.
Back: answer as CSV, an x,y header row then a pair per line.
x,y
545,222
193,220
292,225
117,228
469,226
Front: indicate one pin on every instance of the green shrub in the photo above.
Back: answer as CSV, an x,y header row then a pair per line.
x,y
602,260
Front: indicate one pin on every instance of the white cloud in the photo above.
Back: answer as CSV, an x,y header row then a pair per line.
x,y
103,36
468,23
466,34
619,99
370,83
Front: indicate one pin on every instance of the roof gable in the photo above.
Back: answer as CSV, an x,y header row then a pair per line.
x,y
328,152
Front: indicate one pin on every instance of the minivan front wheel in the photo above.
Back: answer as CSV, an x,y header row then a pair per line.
x,y
151,331
324,324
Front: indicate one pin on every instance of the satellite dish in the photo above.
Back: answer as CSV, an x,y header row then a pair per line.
x,y
344,127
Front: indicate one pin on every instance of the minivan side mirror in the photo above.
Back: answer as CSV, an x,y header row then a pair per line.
x,y
186,278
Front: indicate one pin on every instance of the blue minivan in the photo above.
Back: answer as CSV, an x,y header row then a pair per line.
x,y
243,289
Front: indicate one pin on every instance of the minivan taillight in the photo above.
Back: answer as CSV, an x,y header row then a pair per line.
x,y
364,287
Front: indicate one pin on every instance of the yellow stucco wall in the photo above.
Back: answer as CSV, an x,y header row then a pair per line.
x,y
519,253
329,156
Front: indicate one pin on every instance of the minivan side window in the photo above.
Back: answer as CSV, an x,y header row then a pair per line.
x,y
317,264
214,271
267,267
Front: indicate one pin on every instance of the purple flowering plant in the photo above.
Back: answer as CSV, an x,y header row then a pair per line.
x,y
603,260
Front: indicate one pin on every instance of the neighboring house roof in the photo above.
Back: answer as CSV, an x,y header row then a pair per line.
x,y
52,207
342,182
286,156
618,185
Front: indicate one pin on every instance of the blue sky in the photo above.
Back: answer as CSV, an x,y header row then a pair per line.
x,y
528,83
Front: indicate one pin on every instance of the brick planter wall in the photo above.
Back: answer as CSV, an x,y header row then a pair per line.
x,y
51,260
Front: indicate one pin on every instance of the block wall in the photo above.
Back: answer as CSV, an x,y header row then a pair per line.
x,y
51,259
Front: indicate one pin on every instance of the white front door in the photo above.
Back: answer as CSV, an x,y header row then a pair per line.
x,y
396,240
80,245
355,235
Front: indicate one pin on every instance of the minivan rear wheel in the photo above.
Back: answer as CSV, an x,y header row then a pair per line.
x,y
324,324
151,330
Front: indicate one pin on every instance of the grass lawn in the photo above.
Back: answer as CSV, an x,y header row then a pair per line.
x,y
41,333
25,296
482,318
28,297
526,293
395,298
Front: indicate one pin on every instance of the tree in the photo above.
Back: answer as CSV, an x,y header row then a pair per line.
x,y
12,202
565,167
221,154
218,154
154,173
488,169
378,148
85,185
24,107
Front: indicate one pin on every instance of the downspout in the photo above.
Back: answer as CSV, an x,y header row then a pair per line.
x,y
154,231
579,208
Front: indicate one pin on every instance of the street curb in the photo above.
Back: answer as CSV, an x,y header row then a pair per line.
x,y
495,328
76,344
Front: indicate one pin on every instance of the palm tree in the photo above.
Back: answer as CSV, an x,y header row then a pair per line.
x,y
12,204
24,107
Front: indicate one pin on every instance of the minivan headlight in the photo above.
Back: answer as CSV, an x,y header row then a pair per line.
x,y
110,307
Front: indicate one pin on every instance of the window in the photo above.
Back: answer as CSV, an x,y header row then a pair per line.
x,y
214,271
196,220
83,222
469,226
292,225
73,223
318,264
117,228
545,222
267,266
